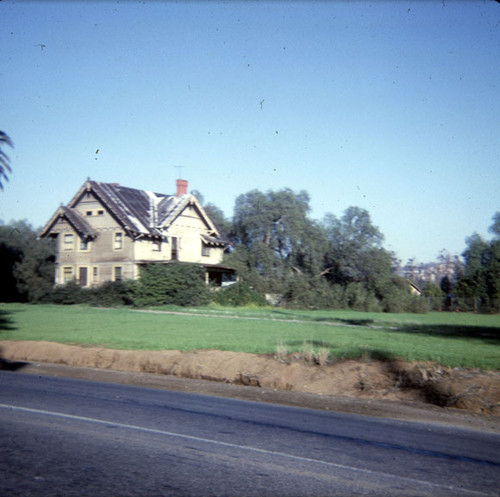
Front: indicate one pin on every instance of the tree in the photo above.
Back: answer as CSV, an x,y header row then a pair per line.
x,y
354,243
480,278
432,290
495,227
476,259
277,219
275,230
331,264
4,158
26,263
357,261
446,285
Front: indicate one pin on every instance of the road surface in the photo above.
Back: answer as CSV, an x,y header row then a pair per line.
x,y
66,437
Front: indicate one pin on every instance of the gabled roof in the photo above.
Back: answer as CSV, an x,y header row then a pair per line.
x,y
139,212
74,219
212,240
132,208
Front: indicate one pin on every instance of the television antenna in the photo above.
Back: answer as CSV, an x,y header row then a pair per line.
x,y
179,168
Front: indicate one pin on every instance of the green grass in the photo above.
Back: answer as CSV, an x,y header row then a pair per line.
x,y
458,340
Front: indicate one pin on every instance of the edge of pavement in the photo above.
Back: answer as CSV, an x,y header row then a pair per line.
x,y
397,410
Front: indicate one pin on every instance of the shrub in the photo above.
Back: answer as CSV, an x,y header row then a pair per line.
x,y
70,293
309,292
113,293
359,298
239,294
418,305
300,293
177,284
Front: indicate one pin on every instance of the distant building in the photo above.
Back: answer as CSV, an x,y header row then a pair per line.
x,y
107,231
432,272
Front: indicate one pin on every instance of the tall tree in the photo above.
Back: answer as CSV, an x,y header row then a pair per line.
x,y
354,243
480,277
26,263
4,158
272,226
476,257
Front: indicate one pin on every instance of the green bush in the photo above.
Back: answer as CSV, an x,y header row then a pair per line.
x,y
418,304
177,284
109,294
113,293
70,293
306,292
239,294
300,293
358,298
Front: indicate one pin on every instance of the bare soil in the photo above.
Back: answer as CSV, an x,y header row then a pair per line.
x,y
416,384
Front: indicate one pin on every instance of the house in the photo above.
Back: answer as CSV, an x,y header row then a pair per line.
x,y
107,231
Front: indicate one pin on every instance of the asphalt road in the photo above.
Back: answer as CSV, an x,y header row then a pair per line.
x,y
69,437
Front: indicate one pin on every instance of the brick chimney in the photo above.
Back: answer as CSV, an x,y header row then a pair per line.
x,y
182,187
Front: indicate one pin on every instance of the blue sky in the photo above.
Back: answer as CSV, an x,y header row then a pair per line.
x,y
391,106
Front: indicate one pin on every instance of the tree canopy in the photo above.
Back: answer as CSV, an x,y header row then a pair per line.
x,y
26,263
334,263
480,278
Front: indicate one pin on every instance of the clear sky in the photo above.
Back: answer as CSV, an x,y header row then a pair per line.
x,y
391,106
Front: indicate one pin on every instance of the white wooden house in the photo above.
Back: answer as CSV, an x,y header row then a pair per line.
x,y
107,231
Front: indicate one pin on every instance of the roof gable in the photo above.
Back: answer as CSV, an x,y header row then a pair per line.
x,y
172,208
139,212
77,222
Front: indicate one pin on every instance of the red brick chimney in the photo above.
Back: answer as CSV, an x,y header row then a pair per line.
x,y
182,187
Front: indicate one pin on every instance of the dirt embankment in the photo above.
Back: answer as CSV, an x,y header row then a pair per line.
x,y
470,390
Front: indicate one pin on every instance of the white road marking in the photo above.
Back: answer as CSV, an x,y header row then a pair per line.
x,y
240,447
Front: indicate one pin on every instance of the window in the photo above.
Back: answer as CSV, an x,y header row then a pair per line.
x,y
67,274
156,246
68,242
84,244
82,276
95,274
205,250
175,248
100,213
118,241
88,213
117,273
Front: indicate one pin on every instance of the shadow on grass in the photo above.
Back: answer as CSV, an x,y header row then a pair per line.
x,y
324,319
347,353
6,324
485,333
357,322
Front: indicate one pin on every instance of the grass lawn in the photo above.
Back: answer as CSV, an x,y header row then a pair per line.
x,y
458,340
